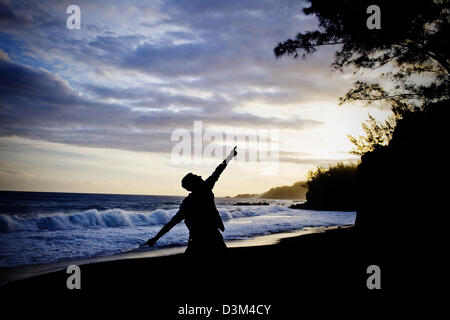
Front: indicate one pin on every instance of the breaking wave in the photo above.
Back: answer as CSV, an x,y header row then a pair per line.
x,y
114,218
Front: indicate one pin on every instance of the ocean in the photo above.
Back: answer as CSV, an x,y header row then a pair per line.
x,y
44,227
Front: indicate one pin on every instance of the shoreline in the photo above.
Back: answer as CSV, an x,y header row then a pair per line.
x,y
304,267
13,274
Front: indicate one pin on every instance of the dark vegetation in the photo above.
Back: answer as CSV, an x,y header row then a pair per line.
x,y
332,188
400,180
413,41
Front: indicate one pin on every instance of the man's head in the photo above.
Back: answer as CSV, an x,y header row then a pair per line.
x,y
191,182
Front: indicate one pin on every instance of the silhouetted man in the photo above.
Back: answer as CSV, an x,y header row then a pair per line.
x,y
200,214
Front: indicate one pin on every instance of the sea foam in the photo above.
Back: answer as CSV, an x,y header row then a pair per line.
x,y
46,238
93,218
114,218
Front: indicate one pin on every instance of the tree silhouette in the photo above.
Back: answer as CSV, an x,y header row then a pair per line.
x,y
400,191
332,188
377,134
412,41
412,45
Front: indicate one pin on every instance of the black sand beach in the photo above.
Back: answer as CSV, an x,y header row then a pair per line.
x,y
317,272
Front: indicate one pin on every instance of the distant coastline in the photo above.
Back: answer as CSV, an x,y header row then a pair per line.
x,y
326,189
296,191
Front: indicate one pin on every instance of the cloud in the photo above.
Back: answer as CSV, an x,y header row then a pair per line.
x,y
206,60
225,46
4,55
39,105
137,70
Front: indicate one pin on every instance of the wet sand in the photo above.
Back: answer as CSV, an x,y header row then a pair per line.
x,y
24,272
298,274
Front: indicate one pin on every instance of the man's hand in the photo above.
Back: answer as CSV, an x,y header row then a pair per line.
x,y
232,154
151,242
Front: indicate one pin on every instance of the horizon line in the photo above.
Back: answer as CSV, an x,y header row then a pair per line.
x,y
104,193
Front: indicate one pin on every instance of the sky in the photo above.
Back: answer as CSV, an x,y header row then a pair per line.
x,y
95,109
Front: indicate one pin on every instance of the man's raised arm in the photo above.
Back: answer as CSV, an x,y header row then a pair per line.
x,y
216,174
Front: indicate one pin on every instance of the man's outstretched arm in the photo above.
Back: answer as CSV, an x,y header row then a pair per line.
x,y
169,225
216,174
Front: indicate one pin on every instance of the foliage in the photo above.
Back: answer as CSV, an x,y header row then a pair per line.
x,y
400,184
412,44
413,40
376,134
332,188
